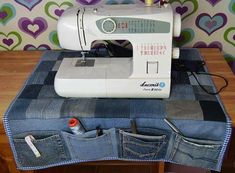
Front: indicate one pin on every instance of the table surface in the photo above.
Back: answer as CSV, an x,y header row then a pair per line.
x,y
16,66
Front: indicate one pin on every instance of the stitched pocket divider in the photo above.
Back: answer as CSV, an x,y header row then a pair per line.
x,y
89,147
195,152
49,144
148,144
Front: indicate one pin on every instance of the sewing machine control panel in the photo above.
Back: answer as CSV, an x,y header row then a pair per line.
x,y
122,25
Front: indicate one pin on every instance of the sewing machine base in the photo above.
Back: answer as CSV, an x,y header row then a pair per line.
x,y
109,77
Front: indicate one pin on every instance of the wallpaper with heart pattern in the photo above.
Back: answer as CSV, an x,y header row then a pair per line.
x,y
31,24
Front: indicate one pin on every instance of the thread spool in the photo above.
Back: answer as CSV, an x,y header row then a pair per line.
x,y
149,2
76,126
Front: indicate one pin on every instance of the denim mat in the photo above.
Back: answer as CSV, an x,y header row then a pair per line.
x,y
200,116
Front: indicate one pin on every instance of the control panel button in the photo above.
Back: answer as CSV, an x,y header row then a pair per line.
x,y
152,67
109,26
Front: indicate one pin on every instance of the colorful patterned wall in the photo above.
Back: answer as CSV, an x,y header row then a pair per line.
x,y
31,24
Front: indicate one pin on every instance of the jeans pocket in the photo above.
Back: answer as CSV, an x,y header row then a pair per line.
x,y
196,152
89,147
142,146
48,144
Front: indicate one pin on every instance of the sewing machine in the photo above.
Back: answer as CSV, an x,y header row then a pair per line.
x,y
145,75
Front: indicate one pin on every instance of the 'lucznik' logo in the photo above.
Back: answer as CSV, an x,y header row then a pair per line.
x,y
161,84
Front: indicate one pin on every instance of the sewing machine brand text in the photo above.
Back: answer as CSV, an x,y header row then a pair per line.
x,y
158,86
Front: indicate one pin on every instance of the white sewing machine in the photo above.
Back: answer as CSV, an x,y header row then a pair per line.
x,y
145,75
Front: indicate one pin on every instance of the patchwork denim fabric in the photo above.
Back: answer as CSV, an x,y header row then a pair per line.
x,y
38,111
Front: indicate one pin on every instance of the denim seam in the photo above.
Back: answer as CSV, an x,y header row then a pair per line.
x,y
110,143
61,149
174,148
122,144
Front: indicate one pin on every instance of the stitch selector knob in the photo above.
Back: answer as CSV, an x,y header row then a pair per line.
x,y
109,26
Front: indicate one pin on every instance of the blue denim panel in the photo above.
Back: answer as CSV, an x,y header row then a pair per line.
x,y
193,128
89,147
204,80
83,107
50,78
50,146
30,92
182,109
188,65
212,111
179,77
181,92
51,55
148,108
195,152
70,54
211,130
37,78
45,66
200,94
48,91
147,144
44,108
18,109
57,65
20,126
112,108
189,54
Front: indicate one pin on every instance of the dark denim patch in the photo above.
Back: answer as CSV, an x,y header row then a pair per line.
x,y
45,66
212,111
179,77
30,91
50,78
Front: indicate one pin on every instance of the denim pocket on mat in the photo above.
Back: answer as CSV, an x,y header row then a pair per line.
x,y
89,147
142,145
196,152
48,143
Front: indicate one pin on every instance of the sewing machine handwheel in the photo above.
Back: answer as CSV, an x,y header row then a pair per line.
x,y
177,25
109,26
